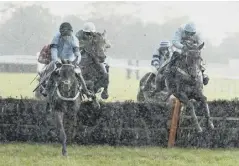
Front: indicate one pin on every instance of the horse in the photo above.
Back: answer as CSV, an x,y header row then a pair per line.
x,y
94,70
147,86
65,98
184,81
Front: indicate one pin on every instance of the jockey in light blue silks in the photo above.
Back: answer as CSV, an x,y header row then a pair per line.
x,y
64,46
187,32
185,37
161,56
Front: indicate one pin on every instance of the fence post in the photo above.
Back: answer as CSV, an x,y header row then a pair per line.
x,y
174,123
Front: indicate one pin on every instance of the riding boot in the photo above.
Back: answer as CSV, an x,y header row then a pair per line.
x,y
205,79
104,94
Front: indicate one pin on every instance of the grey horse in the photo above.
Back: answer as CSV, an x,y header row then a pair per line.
x,y
147,86
94,71
65,98
184,81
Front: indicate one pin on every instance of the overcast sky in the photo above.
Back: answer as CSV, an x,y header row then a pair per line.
x,y
214,19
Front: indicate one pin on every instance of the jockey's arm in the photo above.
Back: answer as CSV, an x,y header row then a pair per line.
x,y
54,46
199,42
156,58
177,39
77,53
199,39
108,44
76,49
54,52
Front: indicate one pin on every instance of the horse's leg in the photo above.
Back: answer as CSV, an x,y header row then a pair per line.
x,y
189,104
60,126
209,120
204,105
105,83
159,82
74,126
102,76
193,114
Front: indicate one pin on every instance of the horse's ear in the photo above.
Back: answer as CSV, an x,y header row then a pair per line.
x,y
201,46
104,33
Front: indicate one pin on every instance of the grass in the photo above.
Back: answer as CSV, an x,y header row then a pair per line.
x,y
50,155
17,85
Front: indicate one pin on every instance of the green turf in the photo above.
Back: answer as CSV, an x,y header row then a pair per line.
x,y
50,155
120,88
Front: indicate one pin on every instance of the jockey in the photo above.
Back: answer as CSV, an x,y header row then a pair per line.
x,y
83,35
161,57
161,54
87,31
188,32
64,46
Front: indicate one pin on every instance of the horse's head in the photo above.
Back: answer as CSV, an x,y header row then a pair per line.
x,y
67,80
193,55
96,46
193,58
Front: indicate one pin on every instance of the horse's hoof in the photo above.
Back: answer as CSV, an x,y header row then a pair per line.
x,y
210,124
199,129
64,153
104,95
48,108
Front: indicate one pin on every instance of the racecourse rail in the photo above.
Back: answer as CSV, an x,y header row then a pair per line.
x,y
120,123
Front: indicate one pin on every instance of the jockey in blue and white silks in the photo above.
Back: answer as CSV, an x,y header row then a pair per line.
x,y
64,46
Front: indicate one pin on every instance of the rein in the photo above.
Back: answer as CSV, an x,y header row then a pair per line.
x,y
59,93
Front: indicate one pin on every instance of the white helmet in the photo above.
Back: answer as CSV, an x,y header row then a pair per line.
x,y
164,43
190,27
89,27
